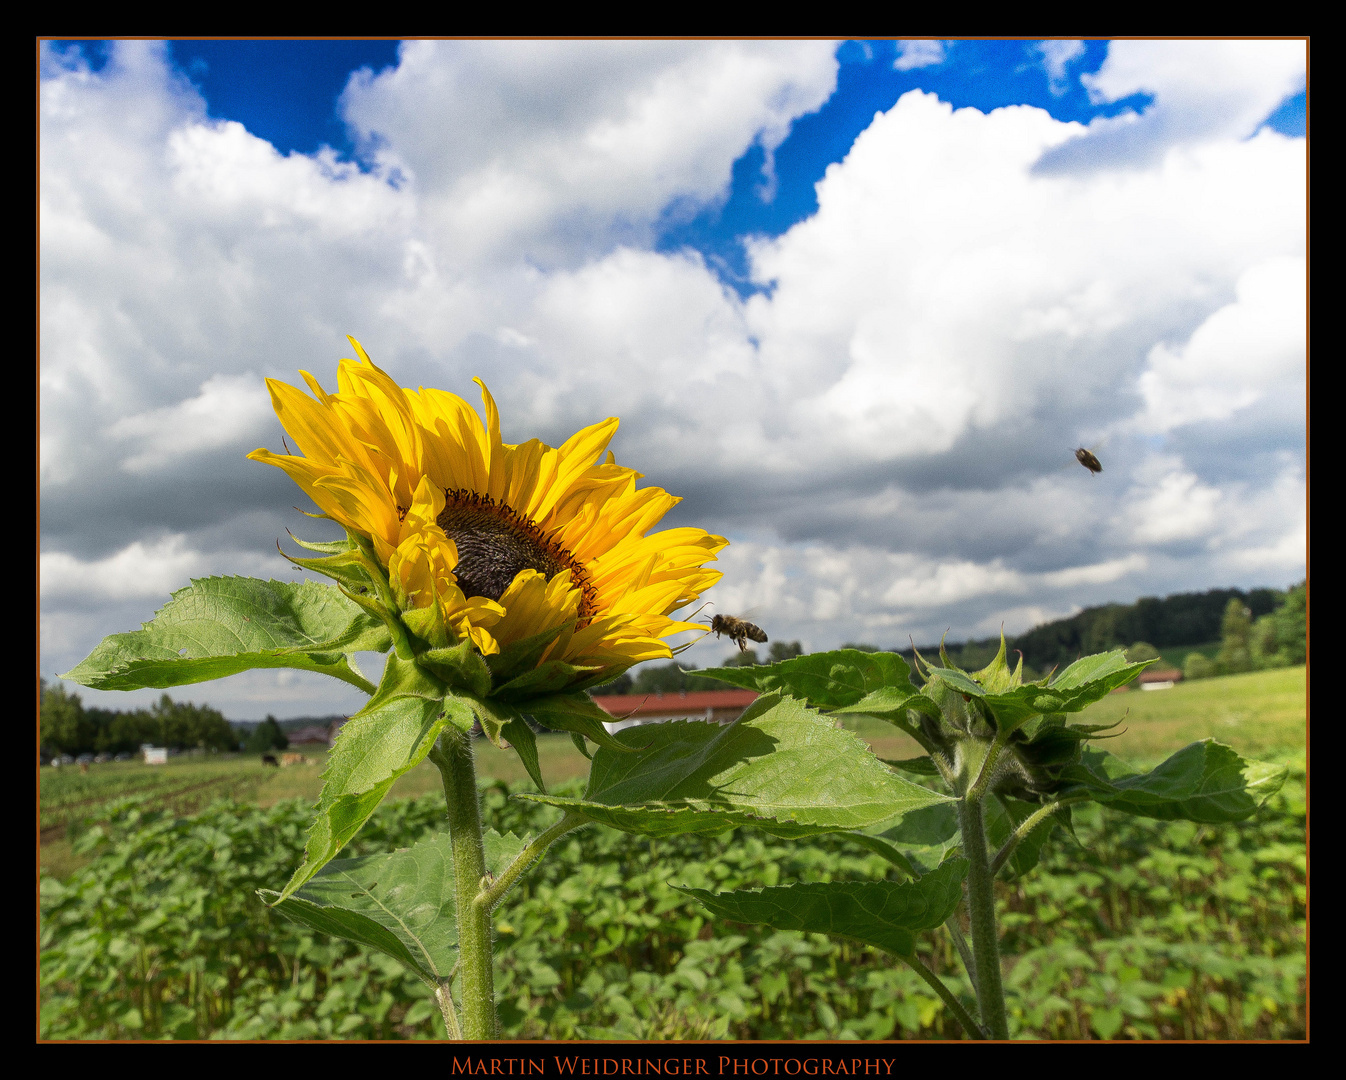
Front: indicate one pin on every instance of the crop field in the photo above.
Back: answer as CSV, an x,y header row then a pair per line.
x,y
1134,929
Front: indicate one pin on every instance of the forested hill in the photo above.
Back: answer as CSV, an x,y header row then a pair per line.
x,y
1180,619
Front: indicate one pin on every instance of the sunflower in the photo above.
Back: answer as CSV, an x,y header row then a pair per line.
x,y
491,542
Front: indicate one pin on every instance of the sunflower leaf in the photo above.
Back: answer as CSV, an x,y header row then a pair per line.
x,y
400,903
879,913
780,766
221,626
827,680
1206,782
390,736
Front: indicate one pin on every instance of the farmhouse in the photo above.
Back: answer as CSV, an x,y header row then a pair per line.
x,y
1162,679
719,706
314,736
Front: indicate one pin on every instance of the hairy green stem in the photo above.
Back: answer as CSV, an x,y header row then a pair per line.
x,y
987,770
981,909
960,943
974,1030
444,996
1027,826
490,896
452,755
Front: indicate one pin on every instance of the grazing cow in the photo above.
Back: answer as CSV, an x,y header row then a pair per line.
x,y
270,759
293,759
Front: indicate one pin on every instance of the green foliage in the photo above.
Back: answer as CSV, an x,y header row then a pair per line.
x,y
780,766
878,913
1197,666
65,727
1142,650
827,680
1165,929
1180,619
267,736
1235,639
1280,639
69,728
222,626
399,904
1206,782
391,735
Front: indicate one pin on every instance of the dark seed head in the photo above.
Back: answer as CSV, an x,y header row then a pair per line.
x,y
495,543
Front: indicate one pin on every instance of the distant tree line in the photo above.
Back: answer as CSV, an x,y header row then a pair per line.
x,y
1277,639
1181,619
1258,629
69,728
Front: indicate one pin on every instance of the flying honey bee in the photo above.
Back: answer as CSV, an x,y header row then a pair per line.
x,y
1087,459
737,630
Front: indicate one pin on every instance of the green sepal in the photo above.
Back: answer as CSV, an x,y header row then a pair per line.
x,y
461,666
1206,782
494,716
428,624
1080,685
400,903
883,914
327,547
1004,815
996,676
549,677
521,737
578,714
780,767
388,737
221,626
521,656
580,744
830,680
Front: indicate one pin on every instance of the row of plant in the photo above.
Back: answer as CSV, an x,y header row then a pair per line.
x,y
1135,929
68,796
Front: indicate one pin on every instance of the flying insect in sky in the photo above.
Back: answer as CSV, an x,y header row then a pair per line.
x,y
1087,459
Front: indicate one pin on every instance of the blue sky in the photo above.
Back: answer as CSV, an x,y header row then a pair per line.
x,y
287,92
855,302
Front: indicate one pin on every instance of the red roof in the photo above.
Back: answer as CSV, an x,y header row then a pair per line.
x,y
1161,675
693,701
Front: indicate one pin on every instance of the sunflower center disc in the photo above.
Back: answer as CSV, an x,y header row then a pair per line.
x,y
492,549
